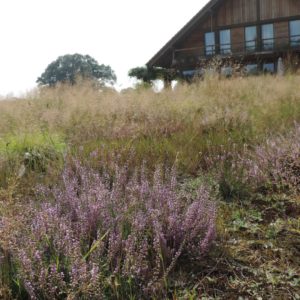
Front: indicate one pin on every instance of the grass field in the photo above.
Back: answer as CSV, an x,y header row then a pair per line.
x,y
235,145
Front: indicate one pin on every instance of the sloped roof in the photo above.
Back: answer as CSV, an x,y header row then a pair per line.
x,y
182,32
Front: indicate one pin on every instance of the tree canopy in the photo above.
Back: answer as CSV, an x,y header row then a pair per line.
x,y
147,74
143,73
68,68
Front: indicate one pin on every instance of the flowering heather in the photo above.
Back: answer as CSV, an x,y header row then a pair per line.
x,y
276,164
98,237
272,166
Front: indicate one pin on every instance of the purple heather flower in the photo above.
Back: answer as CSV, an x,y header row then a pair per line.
x,y
136,228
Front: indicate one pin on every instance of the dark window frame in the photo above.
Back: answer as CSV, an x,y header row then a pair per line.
x,y
225,48
249,48
291,41
212,51
267,44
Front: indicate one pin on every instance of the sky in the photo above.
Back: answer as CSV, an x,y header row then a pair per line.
x,y
121,33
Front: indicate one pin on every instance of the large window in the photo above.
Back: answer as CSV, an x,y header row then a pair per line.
x,y
225,41
267,35
250,38
210,43
295,33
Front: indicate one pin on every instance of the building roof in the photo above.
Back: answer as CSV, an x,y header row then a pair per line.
x,y
168,46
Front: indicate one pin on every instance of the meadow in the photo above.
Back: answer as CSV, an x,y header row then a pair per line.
x,y
191,193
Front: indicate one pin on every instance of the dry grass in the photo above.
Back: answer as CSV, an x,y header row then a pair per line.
x,y
145,112
181,125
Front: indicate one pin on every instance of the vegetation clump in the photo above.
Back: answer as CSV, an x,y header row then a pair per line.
x,y
135,230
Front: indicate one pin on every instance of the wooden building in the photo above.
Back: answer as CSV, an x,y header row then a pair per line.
x,y
255,33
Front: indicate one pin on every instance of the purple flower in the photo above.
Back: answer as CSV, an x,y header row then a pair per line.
x,y
135,229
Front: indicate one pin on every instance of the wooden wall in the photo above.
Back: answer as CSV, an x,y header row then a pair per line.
x,y
237,39
279,8
281,32
233,12
194,39
236,12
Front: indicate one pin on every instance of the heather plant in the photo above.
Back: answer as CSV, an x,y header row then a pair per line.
x,y
273,166
98,236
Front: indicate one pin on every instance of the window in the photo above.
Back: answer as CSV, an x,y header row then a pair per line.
x,y
210,43
225,41
269,68
189,73
267,34
193,73
252,69
295,33
250,38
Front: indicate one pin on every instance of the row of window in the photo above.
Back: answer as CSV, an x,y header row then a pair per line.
x,y
250,69
251,38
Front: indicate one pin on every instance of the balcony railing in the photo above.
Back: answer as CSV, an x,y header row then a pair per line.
x,y
246,48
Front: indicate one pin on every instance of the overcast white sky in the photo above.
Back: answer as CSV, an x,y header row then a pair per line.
x,y
121,33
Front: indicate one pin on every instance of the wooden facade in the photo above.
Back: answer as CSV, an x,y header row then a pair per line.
x,y
256,32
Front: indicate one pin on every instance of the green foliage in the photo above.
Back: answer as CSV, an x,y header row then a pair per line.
x,y
19,144
147,74
68,68
143,73
20,154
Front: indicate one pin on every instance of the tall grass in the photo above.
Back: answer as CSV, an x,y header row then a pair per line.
x,y
182,125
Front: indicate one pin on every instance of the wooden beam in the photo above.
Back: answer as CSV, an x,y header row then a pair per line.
x,y
258,13
258,28
275,20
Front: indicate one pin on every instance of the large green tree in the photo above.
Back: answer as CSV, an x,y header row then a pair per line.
x,y
68,68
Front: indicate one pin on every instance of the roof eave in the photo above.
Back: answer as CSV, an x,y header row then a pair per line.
x,y
182,32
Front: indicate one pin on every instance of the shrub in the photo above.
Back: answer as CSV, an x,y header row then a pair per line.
x,y
97,237
273,166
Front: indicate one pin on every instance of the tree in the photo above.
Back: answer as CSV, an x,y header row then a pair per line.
x,y
68,68
148,75
143,73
